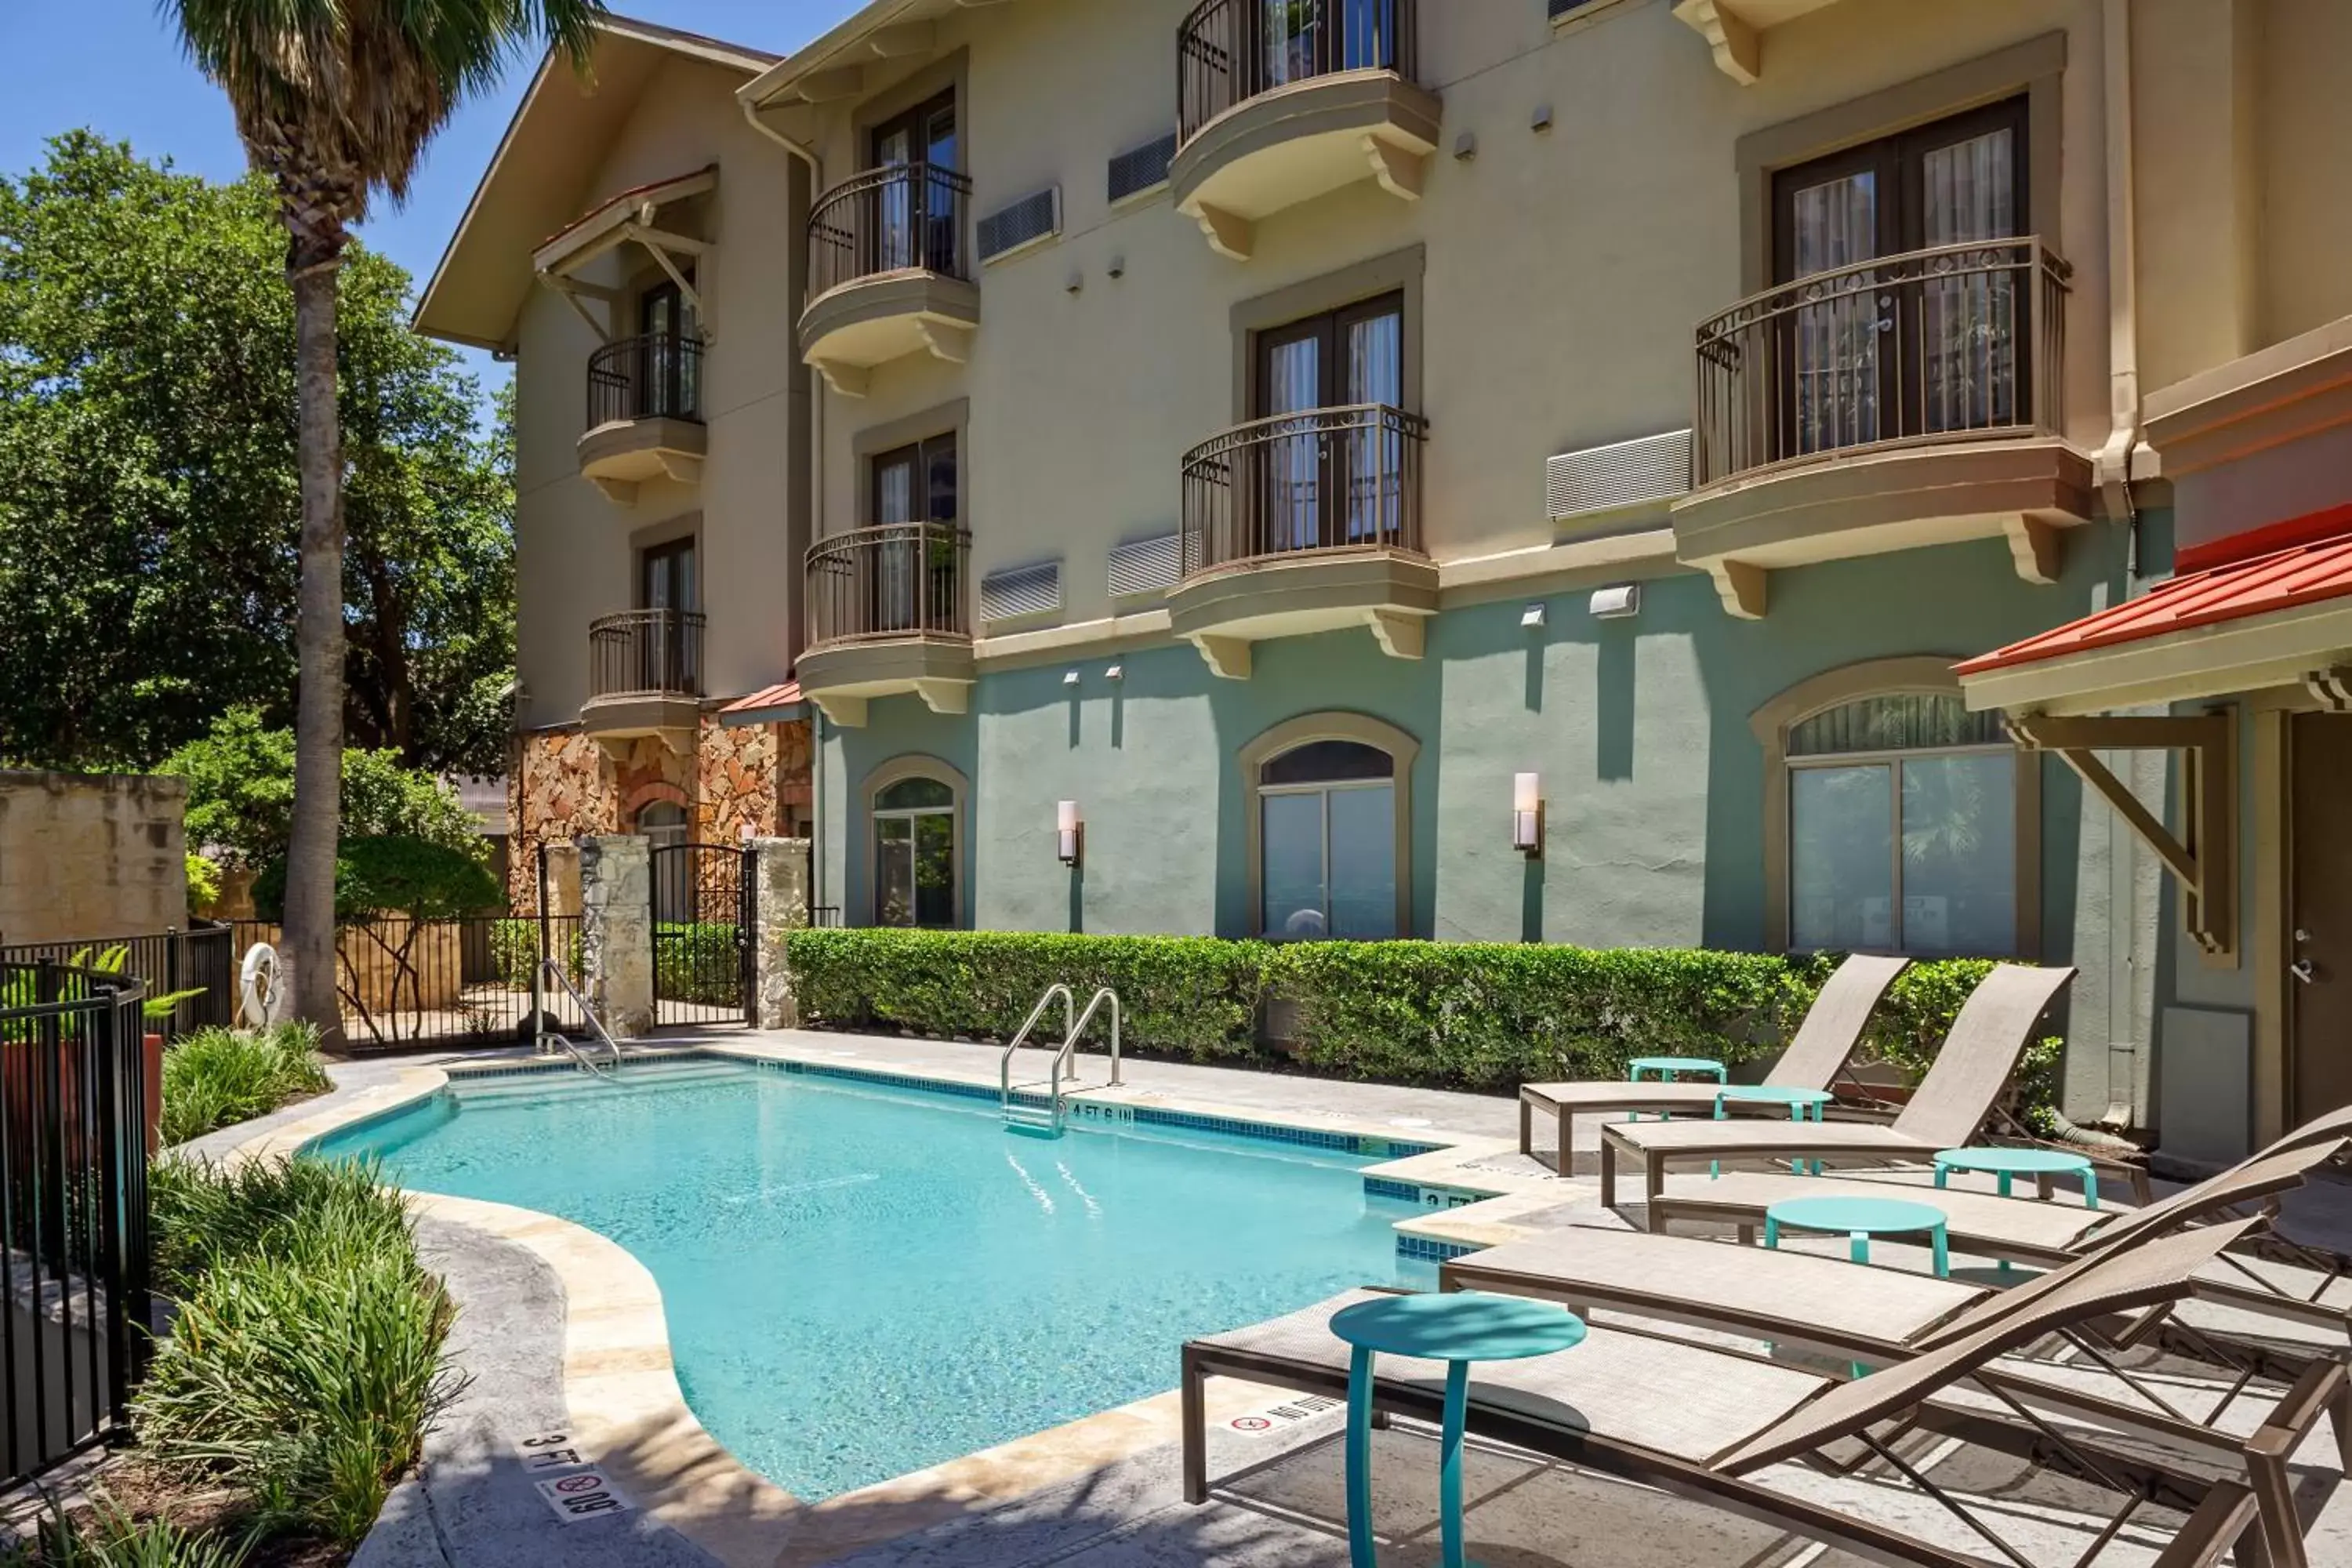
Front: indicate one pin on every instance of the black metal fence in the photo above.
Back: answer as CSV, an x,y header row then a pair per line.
x,y
198,965
896,218
1230,51
703,918
656,376
410,983
75,1263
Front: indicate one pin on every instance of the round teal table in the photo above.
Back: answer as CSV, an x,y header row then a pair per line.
x,y
1456,1329
1861,1218
2008,1165
1663,1067
1802,1103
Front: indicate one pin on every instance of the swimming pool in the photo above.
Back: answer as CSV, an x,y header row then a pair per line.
x,y
863,1280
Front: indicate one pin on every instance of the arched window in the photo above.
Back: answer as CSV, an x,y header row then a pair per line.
x,y
915,853
663,823
1903,828
1328,845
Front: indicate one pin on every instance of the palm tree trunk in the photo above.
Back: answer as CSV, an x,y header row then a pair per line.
x,y
309,931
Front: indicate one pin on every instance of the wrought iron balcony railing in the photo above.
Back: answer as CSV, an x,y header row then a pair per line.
x,y
1326,478
897,581
656,376
1959,342
904,217
645,653
1230,51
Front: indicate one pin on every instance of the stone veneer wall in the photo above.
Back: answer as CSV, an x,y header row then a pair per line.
x,y
567,787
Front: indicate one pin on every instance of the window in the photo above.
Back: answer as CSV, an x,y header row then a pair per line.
x,y
918,213
670,371
1903,829
915,582
1327,842
915,854
1320,483
1926,349
669,654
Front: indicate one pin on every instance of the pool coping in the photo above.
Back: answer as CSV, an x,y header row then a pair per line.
x,y
620,1382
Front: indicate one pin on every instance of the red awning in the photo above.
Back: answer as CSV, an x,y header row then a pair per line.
x,y
2279,581
764,706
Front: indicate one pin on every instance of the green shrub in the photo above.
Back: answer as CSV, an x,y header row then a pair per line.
x,y
393,875
514,951
110,1538
218,1078
305,1360
698,961
1466,1015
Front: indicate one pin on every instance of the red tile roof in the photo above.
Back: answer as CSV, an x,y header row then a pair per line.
x,y
2280,580
760,701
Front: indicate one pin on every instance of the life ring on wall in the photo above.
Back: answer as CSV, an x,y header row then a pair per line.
x,y
259,987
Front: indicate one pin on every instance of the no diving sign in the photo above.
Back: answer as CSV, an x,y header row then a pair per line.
x,y
573,1489
1288,1414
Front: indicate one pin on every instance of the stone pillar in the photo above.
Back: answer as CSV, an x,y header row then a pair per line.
x,y
617,931
562,880
781,868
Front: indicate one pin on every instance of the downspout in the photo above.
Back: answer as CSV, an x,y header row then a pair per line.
x,y
2113,468
807,155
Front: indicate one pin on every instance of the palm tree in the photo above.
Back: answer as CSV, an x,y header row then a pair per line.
x,y
335,100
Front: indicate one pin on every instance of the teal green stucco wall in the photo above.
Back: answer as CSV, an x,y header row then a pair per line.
x,y
1653,778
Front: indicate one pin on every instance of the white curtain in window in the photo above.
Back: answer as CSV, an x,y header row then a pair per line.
x,y
1969,323
1375,350
1835,224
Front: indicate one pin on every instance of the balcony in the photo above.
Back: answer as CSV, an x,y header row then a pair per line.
x,y
1909,400
888,614
1301,523
1278,103
645,415
644,677
889,273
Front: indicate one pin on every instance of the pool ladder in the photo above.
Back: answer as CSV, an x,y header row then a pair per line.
x,y
550,1041
1046,1121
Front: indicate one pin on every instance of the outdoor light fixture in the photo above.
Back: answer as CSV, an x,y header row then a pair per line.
x,y
1070,678
1618,602
1527,814
1115,672
1069,833
1532,616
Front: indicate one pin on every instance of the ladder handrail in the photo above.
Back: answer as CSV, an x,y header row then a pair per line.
x,y
1005,1063
548,966
1070,1044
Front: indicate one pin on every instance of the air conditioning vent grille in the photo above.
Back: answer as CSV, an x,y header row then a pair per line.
x,y
1029,221
1142,169
1023,591
1622,474
1145,566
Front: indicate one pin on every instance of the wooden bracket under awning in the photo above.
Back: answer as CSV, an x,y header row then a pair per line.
x,y
2207,862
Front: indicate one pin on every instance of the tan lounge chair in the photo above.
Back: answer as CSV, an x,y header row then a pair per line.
x,y
1883,1315
1832,1028
1946,1110
1708,1424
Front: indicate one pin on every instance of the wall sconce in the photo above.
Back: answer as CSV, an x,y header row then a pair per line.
x,y
1620,602
1527,814
1534,617
1069,833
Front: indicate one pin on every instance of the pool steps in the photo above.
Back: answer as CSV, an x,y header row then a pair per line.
x,y
1048,1122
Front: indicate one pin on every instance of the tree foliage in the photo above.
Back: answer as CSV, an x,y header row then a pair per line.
x,y
393,876
240,779
149,499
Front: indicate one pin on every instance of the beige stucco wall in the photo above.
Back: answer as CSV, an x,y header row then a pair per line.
x,y
576,550
1565,270
90,854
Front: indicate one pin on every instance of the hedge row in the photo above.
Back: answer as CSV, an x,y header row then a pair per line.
x,y
1466,1015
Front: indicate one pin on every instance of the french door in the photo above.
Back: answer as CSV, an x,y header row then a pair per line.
x,y
668,579
918,226
1925,344
1329,477
915,575
667,370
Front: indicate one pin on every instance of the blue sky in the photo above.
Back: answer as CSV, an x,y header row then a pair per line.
x,y
139,88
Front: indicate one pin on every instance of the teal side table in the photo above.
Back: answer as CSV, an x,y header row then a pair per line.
x,y
1456,1329
1861,1218
1802,1103
2008,1165
1665,1067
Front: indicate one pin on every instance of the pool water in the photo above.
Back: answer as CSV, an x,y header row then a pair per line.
x,y
862,1281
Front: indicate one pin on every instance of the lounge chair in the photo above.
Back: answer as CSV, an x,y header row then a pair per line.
x,y
1950,1104
1706,1424
1817,1052
2275,1278
1883,1315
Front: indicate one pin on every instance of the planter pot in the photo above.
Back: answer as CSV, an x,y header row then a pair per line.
x,y
154,1111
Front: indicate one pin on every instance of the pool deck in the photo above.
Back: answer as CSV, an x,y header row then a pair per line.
x,y
561,1330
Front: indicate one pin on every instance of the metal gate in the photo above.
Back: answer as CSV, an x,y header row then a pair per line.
x,y
703,924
